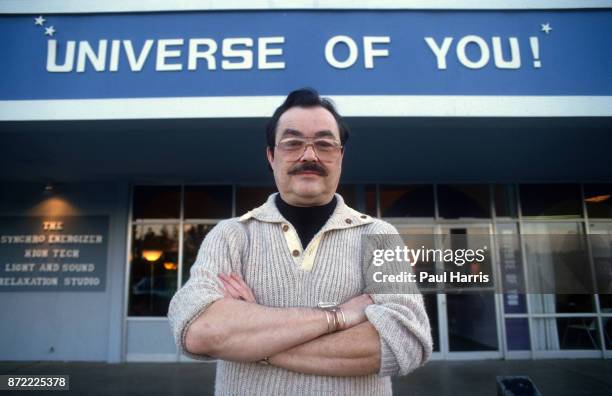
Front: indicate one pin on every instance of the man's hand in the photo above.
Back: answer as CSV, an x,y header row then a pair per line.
x,y
354,310
235,287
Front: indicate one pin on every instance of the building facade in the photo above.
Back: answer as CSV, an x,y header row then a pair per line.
x,y
129,129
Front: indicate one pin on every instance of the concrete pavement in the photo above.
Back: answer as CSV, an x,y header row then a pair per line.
x,y
445,378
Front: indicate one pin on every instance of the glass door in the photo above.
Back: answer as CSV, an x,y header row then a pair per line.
x,y
469,311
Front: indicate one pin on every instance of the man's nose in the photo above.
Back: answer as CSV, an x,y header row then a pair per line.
x,y
309,154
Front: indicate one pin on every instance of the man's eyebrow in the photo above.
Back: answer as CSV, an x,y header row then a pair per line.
x,y
296,133
291,132
325,133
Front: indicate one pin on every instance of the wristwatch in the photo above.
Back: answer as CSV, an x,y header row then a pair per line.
x,y
328,306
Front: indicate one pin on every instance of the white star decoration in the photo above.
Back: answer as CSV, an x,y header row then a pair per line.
x,y
39,21
546,28
50,31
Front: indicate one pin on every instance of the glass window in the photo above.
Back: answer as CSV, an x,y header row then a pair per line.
x,y
601,251
208,202
154,265
598,198
517,334
371,200
557,262
605,302
192,239
463,201
553,334
248,198
607,327
505,200
407,201
551,201
431,306
349,194
157,202
421,237
474,238
473,331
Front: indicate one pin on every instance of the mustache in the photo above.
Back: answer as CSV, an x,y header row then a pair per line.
x,y
308,167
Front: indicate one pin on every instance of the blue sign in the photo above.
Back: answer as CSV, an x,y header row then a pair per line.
x,y
66,253
207,54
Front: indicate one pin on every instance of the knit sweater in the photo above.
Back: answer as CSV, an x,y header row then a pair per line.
x,y
265,249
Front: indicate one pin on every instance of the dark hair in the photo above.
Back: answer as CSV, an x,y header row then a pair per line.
x,y
305,97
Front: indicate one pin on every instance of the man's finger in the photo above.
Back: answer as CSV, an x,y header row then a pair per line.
x,y
230,288
243,284
236,285
223,288
237,288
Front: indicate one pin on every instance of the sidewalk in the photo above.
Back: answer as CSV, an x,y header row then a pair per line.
x,y
452,378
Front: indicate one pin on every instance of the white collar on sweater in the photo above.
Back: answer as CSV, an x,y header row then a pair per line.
x,y
342,217
304,257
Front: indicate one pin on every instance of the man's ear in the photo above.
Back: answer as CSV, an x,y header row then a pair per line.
x,y
270,155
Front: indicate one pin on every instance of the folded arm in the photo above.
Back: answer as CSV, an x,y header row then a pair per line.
x,y
237,330
351,352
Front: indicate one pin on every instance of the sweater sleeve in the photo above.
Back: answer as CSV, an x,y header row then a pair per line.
x,y
218,253
400,319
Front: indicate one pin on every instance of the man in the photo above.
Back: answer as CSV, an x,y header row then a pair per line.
x,y
263,292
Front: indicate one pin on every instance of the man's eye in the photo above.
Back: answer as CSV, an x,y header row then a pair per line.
x,y
324,144
294,143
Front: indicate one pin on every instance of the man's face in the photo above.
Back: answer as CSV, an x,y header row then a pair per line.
x,y
306,177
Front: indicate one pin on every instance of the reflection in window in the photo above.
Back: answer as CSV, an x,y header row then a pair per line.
x,y
208,202
598,198
476,331
192,239
421,237
601,251
463,201
552,334
550,201
461,239
578,333
407,201
157,202
557,261
154,265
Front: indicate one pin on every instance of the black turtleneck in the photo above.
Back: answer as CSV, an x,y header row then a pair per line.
x,y
307,220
